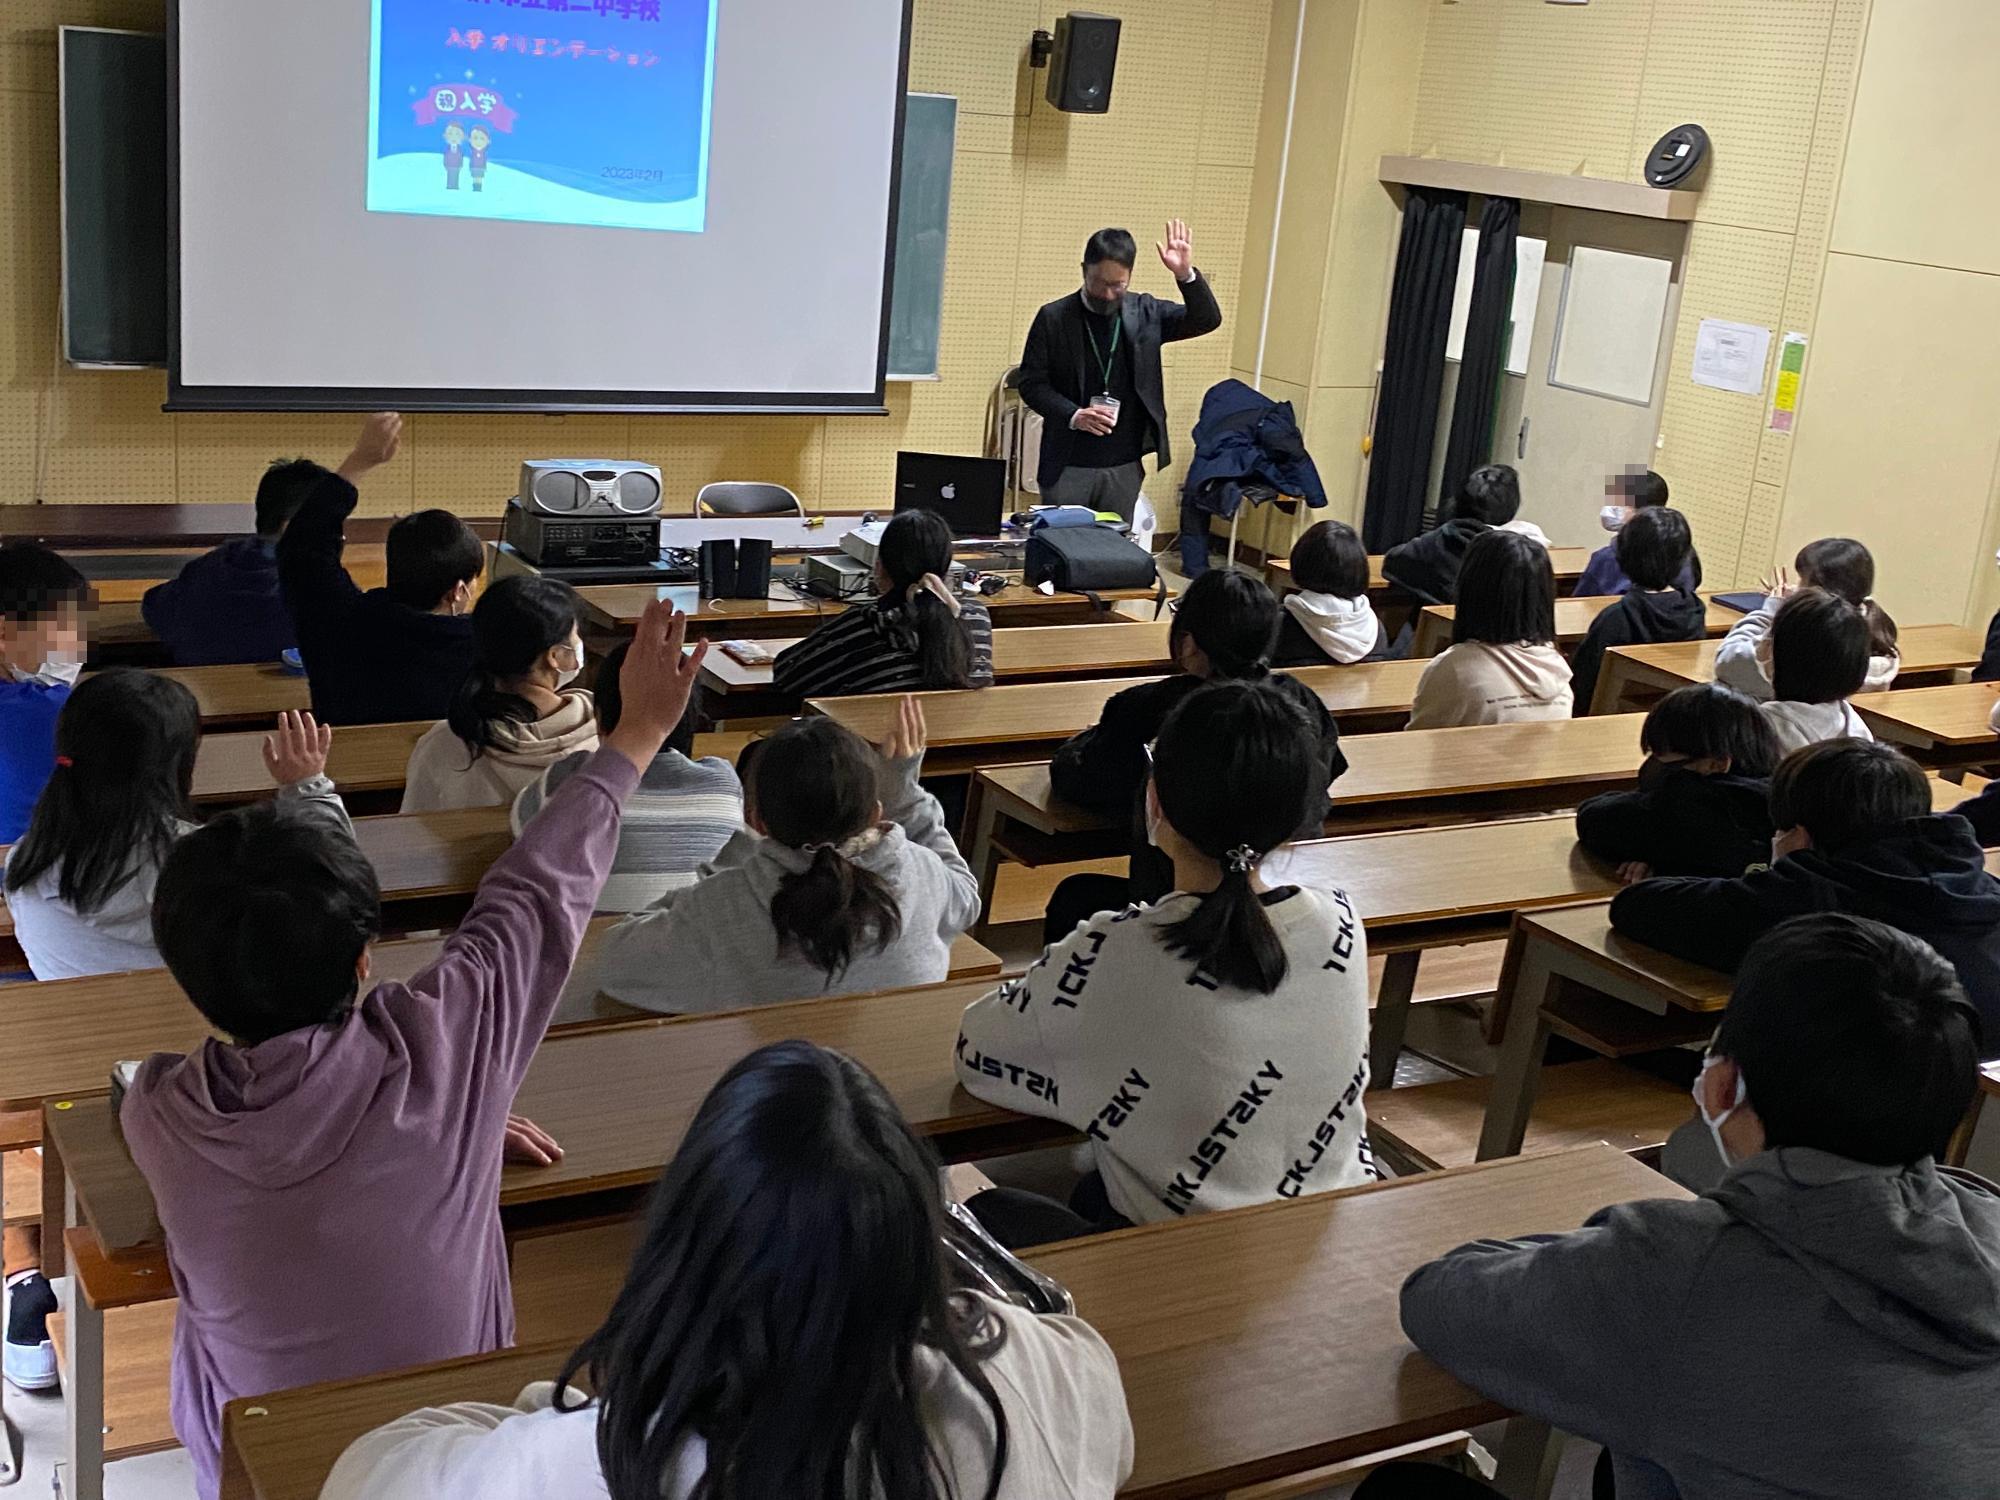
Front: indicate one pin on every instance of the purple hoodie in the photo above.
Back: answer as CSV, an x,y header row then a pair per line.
x,y
331,1196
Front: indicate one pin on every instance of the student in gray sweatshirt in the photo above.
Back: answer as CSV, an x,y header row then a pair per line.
x,y
853,884
1826,1321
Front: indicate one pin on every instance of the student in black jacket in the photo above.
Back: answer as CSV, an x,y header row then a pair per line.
x,y
1427,566
1856,834
387,655
1222,630
1653,549
1703,805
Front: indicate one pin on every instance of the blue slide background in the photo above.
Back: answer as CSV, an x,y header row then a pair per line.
x,y
593,142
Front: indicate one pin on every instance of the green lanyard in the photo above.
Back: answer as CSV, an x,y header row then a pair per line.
x,y
1105,361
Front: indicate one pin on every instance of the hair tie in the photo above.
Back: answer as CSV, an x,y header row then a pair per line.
x,y
1239,860
65,762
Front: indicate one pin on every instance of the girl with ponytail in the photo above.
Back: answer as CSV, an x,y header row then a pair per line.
x,y
1225,629
515,714
918,636
852,883
1213,1045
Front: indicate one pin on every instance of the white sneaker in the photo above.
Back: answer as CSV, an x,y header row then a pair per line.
x,y
31,1367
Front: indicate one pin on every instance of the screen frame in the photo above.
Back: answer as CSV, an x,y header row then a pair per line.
x,y
250,398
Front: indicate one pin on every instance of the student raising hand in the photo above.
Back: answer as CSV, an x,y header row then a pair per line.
x,y
656,683
296,750
909,735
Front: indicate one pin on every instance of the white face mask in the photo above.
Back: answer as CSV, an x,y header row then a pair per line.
x,y
60,669
1716,1122
1611,517
566,675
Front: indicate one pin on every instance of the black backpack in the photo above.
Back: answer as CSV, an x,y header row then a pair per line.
x,y
1087,560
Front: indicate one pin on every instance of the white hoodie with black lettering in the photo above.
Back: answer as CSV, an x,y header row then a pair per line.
x,y
1194,1097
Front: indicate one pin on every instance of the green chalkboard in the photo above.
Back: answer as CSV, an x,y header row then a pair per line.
x,y
923,221
114,196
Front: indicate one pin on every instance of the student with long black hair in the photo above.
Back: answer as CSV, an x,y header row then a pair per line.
x,y
80,882
1224,630
853,884
918,636
744,1360
515,714
1502,664
1213,1046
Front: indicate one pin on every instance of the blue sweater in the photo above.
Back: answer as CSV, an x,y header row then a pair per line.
x,y
1602,576
27,748
223,607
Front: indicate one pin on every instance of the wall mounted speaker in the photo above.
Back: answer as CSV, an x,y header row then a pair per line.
x,y
1678,157
1082,61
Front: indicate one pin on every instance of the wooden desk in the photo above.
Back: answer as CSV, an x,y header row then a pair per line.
x,y
1939,726
113,527
1280,1310
138,572
978,727
1032,653
615,609
1567,971
1634,676
229,768
244,695
1573,621
1569,563
1417,777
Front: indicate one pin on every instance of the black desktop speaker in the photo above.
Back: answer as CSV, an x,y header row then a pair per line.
x,y
1082,61
753,568
735,569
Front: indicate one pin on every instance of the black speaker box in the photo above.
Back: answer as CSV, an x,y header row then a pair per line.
x,y
735,569
1082,63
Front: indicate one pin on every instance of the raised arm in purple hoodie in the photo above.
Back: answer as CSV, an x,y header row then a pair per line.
x,y
331,1196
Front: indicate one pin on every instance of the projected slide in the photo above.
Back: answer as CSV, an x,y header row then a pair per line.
x,y
587,112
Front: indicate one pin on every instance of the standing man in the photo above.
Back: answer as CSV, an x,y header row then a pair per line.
x,y
1092,369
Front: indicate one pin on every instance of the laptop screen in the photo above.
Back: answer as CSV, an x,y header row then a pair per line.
x,y
970,493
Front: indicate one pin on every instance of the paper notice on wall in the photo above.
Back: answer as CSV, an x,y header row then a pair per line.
x,y
1730,356
1791,369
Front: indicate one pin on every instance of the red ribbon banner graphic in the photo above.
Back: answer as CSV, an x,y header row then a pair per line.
x,y
466,103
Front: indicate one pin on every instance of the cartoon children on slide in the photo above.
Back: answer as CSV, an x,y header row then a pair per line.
x,y
454,157
481,139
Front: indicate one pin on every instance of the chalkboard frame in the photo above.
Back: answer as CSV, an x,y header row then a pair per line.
x,y
901,288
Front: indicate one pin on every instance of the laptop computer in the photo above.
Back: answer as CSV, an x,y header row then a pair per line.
x,y
970,493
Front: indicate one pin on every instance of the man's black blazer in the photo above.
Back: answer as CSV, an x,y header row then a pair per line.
x,y
1055,366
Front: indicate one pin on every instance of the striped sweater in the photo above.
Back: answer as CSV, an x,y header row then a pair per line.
x,y
870,650
680,817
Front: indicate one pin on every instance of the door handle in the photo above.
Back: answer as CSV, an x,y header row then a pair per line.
x,y
1521,439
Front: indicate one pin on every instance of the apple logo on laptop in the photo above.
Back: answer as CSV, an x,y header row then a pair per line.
x,y
949,492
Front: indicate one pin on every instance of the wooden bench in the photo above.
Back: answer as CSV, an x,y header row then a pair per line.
x,y
1573,621
972,728
1031,654
615,609
1634,677
1410,779
1569,563
1277,1297
1936,726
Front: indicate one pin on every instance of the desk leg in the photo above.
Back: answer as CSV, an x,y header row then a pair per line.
x,y
1392,1016
1529,1454
1518,1077
984,817
10,1459
83,1383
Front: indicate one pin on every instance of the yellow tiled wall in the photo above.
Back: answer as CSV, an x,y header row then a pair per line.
x,y
1587,89
1029,184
